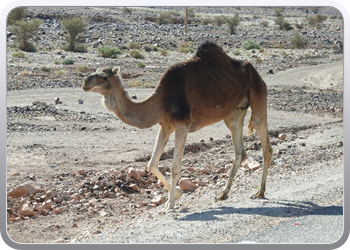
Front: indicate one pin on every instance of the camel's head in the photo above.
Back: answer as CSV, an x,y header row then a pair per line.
x,y
100,80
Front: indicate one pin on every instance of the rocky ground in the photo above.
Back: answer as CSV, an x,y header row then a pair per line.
x,y
75,173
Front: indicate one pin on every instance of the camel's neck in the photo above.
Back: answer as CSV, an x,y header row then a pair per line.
x,y
143,114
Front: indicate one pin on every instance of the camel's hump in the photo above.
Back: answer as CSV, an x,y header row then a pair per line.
x,y
207,47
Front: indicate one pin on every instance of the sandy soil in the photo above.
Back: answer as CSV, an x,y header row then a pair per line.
x,y
306,169
78,156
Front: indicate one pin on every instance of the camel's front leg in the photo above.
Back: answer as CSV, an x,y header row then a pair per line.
x,y
180,140
162,138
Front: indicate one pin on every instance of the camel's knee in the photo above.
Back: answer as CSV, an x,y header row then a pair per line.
x,y
175,171
267,153
152,167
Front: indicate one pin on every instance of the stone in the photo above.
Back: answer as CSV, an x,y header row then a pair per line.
x,y
58,101
47,204
253,165
221,170
142,173
27,210
282,136
158,200
134,174
150,206
23,189
51,193
76,196
134,187
186,185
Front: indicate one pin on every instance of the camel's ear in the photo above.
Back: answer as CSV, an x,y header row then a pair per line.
x,y
115,70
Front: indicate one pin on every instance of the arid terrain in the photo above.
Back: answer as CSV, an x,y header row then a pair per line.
x,y
77,174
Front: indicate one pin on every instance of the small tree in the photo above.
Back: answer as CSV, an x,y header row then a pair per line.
x,y
74,27
298,41
25,32
16,15
317,20
283,24
232,23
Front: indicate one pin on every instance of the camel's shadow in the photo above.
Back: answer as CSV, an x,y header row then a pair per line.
x,y
282,209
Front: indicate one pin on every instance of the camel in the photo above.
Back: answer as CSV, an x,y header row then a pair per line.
x,y
201,91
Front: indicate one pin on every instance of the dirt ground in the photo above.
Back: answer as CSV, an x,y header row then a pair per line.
x,y
73,155
78,157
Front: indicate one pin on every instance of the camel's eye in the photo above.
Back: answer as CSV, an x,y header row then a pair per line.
x,y
103,76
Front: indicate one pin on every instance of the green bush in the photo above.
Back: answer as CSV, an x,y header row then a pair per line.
x,y
317,20
45,69
16,15
232,23
298,41
250,44
68,62
74,26
108,51
25,31
141,65
163,52
218,20
136,54
165,17
283,24
186,47
206,21
133,46
19,54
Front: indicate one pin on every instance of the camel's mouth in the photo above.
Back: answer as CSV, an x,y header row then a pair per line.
x,y
86,88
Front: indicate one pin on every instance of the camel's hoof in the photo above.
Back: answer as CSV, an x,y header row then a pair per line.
x,y
178,192
257,196
167,209
222,196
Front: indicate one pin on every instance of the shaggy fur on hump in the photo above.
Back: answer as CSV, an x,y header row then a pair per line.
x,y
206,47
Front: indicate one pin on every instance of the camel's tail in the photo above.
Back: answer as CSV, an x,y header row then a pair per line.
x,y
258,101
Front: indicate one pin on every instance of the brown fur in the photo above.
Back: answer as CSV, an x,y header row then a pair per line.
x,y
201,91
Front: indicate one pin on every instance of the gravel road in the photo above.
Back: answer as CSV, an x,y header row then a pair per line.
x,y
312,196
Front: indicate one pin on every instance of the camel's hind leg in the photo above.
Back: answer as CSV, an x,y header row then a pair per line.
x,y
234,122
162,138
258,121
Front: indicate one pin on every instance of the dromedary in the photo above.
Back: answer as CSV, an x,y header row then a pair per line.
x,y
190,95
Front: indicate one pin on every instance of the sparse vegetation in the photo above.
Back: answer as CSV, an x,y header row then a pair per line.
x,y
264,24
26,32
16,14
283,24
232,23
298,41
163,52
317,20
250,44
136,54
82,69
186,47
236,52
141,65
18,54
165,17
133,46
45,69
68,62
74,26
108,51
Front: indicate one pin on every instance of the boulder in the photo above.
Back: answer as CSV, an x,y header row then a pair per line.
x,y
186,185
23,189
